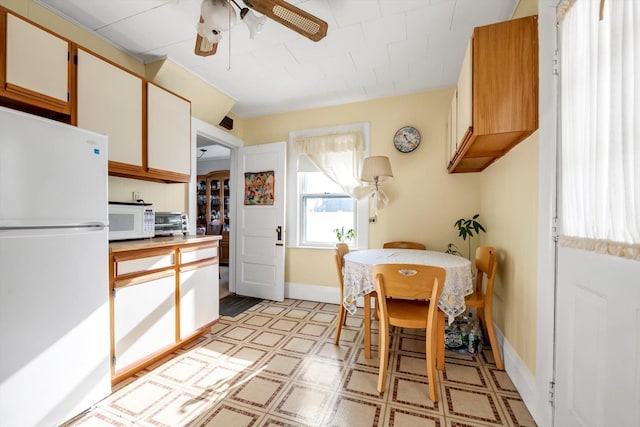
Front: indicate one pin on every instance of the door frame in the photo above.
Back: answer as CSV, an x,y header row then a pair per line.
x,y
232,142
539,404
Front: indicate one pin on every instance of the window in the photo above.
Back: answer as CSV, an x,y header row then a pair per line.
x,y
324,207
600,112
324,165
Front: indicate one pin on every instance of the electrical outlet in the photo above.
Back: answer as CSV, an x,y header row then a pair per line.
x,y
137,195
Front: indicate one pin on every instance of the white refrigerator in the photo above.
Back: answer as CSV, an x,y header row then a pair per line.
x,y
54,290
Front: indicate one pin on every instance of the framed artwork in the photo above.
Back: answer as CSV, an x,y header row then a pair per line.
x,y
259,188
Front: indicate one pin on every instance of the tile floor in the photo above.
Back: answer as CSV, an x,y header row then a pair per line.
x,y
276,365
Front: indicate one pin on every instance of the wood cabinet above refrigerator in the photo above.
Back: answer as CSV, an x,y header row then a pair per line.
x,y
497,94
36,73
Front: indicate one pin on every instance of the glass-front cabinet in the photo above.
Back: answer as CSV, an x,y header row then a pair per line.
x,y
213,198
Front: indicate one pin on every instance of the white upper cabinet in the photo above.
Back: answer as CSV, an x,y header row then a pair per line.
x,y
110,102
464,103
37,66
168,132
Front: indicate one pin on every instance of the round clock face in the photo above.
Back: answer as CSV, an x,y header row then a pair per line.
x,y
406,139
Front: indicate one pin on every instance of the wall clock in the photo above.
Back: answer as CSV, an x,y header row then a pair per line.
x,y
406,139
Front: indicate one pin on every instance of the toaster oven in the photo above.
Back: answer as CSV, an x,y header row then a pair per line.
x,y
171,224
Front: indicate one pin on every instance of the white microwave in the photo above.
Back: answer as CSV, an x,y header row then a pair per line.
x,y
130,220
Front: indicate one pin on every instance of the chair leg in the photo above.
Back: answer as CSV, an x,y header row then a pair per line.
x,y
488,324
431,365
383,352
342,316
367,327
440,341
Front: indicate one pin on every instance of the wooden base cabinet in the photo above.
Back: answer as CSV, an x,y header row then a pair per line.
x,y
162,296
198,299
144,320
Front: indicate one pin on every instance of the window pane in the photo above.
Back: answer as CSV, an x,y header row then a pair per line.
x,y
323,214
319,183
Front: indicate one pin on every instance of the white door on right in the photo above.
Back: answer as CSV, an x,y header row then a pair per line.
x,y
597,340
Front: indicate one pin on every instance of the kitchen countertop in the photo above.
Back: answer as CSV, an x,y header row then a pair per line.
x,y
158,242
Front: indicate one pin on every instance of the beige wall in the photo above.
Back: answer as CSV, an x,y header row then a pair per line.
x,y
207,103
425,199
509,209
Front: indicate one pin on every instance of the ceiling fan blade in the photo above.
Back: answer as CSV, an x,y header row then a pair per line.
x,y
291,17
203,46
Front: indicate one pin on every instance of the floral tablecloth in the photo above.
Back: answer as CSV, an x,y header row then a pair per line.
x,y
358,280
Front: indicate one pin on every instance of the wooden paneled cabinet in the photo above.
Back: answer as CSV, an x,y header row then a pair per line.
x,y
36,73
149,128
161,297
168,134
213,198
495,104
110,102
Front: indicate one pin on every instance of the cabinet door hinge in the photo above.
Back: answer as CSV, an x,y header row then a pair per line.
x,y
113,361
552,393
556,64
554,229
113,293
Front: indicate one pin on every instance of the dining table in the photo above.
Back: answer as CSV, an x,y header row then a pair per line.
x,y
358,282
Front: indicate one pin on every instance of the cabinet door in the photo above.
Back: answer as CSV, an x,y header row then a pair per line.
x,y
464,106
199,294
169,131
452,128
110,102
144,319
37,61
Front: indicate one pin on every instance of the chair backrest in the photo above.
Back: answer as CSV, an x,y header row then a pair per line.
x,y
487,265
341,250
409,281
404,245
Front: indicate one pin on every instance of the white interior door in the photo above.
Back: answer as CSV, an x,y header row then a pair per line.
x,y
598,340
260,231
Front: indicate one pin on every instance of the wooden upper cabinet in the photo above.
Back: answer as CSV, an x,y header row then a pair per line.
x,y
36,71
110,102
504,96
168,134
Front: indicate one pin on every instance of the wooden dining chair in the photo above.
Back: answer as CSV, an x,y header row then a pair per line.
x,y
404,245
341,250
487,266
408,296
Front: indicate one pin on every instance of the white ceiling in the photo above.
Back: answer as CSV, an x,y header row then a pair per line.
x,y
373,48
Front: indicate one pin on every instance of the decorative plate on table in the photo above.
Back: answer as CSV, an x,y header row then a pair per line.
x,y
406,139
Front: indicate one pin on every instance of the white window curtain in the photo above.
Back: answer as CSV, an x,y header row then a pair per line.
x,y
337,155
600,125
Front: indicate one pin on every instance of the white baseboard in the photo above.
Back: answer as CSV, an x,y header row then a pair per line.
x,y
520,375
305,291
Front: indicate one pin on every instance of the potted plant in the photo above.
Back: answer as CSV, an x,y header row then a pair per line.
x,y
466,228
344,236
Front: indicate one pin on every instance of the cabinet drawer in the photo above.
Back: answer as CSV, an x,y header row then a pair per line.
x,y
145,264
187,255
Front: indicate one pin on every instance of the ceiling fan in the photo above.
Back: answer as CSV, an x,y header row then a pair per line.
x,y
218,15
